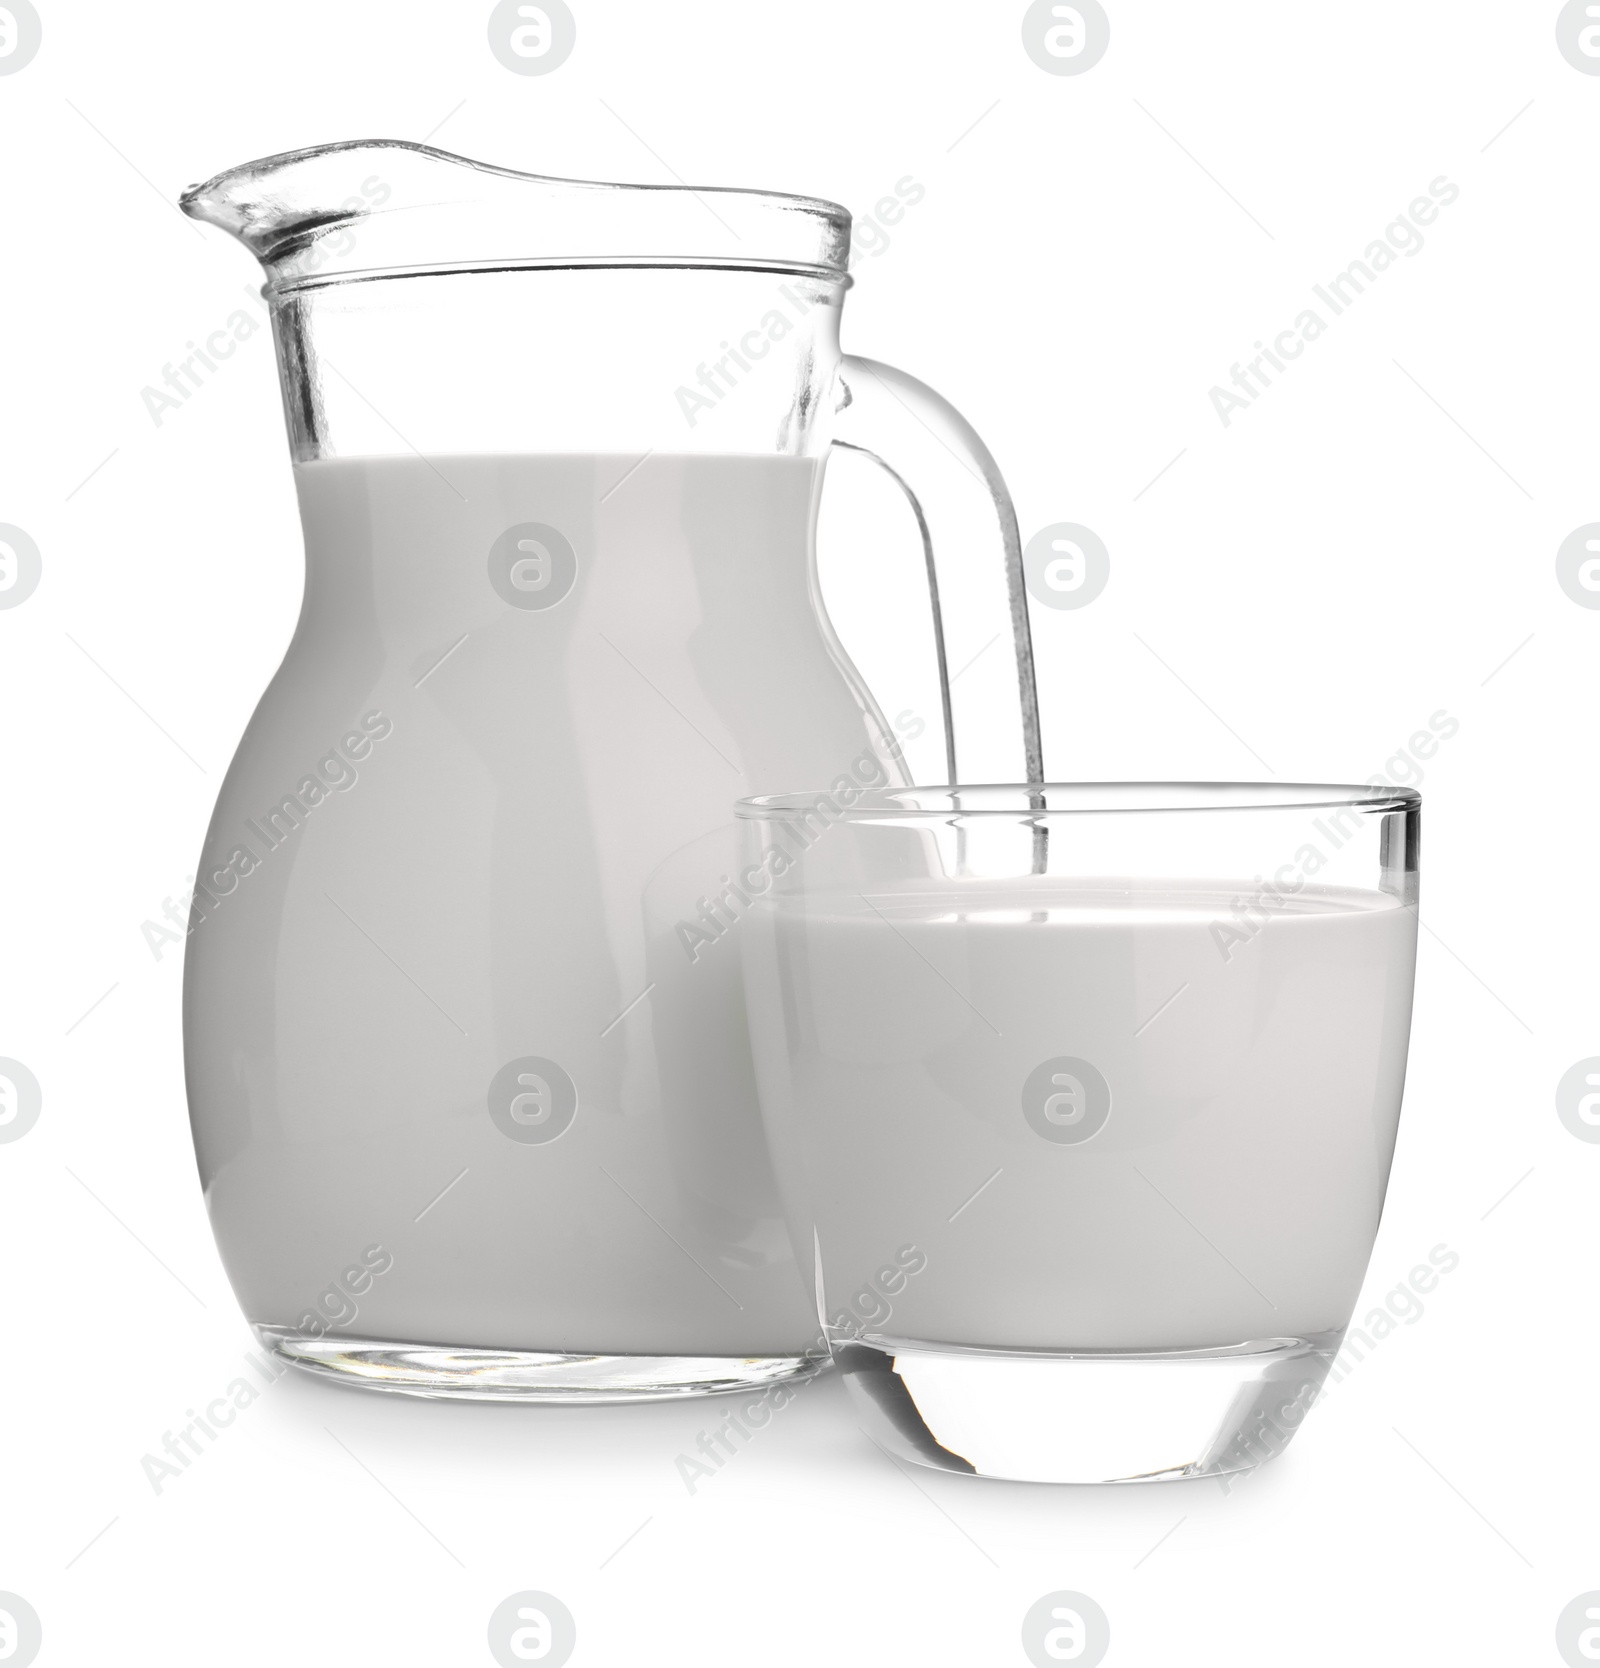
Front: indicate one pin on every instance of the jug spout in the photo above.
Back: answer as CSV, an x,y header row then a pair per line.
x,y
373,206
276,200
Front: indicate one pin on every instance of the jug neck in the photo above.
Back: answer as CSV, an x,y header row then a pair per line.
x,y
426,304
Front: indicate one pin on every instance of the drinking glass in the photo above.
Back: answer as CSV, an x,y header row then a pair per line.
x,y
1082,1100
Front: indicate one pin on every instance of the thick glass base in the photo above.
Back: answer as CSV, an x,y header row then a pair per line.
x,y
1089,1418
491,1375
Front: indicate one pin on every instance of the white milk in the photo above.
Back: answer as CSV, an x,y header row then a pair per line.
x,y
1231,1192
500,835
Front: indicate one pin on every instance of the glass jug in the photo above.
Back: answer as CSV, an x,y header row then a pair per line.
x,y
467,1068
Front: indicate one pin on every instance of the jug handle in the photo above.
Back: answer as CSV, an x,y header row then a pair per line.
x,y
969,539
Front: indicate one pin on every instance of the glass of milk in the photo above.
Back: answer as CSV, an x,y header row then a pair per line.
x,y
1082,1100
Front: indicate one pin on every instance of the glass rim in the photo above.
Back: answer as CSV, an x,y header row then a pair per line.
x,y
1065,799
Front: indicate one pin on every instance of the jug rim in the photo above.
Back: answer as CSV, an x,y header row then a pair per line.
x,y
1056,799
388,208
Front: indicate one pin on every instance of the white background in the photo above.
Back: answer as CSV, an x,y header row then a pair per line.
x,y
1295,595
